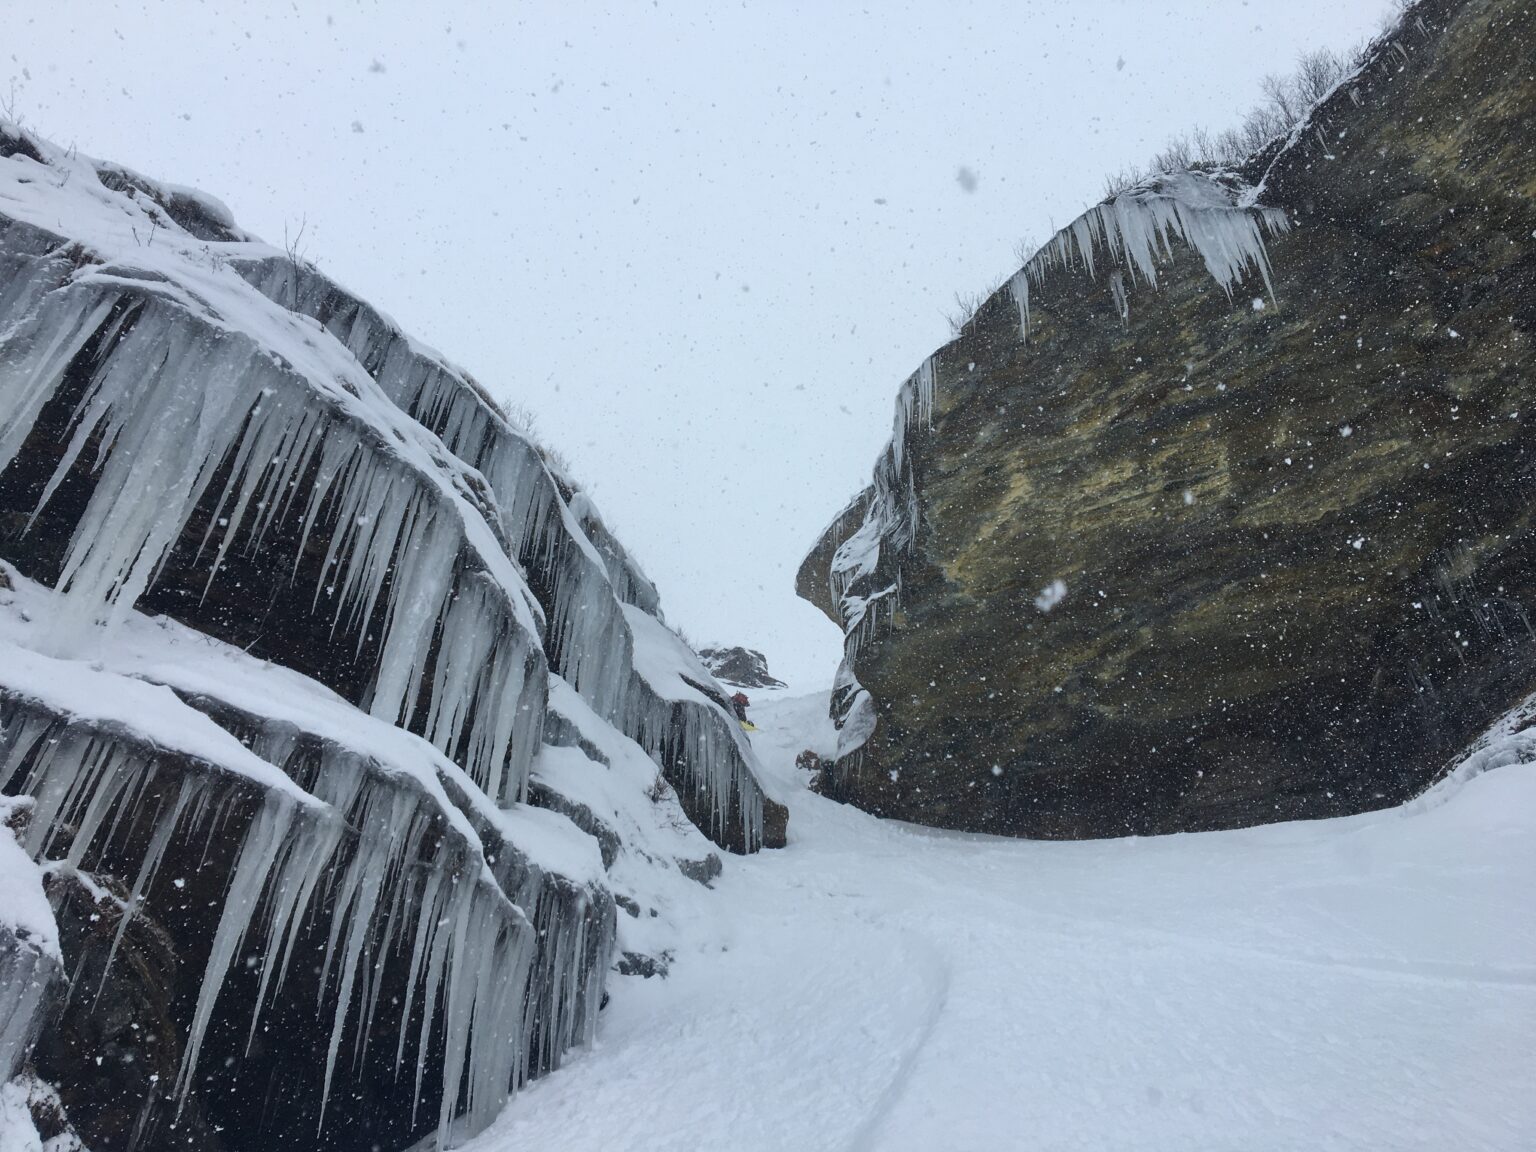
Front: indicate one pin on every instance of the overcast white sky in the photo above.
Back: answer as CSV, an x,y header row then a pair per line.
x,y
702,242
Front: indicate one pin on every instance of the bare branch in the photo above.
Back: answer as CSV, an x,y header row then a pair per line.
x,y
295,252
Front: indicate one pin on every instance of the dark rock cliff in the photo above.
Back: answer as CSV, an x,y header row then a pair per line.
x,y
739,667
1189,558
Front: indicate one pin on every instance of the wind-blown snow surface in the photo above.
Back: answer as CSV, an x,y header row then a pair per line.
x,y
1361,983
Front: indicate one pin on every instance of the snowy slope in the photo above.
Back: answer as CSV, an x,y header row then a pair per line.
x,y
1360,983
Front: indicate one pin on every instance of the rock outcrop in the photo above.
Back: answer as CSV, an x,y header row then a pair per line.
x,y
1220,512
739,667
335,722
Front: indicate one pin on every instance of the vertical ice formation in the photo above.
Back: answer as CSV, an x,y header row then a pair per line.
x,y
864,575
27,974
583,577
630,583
203,426
363,838
610,786
511,934
853,711
400,553
373,872
29,943
1135,231
555,874
263,455
1117,290
674,709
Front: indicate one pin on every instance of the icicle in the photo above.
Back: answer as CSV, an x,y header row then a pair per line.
x,y
1018,287
165,436
422,535
1136,230
924,388
165,827
583,574
473,956
268,835
26,974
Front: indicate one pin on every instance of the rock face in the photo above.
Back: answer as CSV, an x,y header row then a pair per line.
x,y
336,723
739,667
1192,558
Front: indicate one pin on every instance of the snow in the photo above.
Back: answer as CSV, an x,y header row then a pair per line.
x,y
554,842
625,791
1360,983
665,662
1053,594
24,907
17,1132
150,711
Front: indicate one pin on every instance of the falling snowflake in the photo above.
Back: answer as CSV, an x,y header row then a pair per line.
x,y
1051,595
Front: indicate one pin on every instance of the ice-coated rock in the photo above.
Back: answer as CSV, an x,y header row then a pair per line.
x,y
339,718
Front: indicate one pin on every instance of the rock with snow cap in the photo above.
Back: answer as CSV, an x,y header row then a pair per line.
x,y
739,667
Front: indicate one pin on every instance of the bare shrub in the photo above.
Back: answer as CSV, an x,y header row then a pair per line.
x,y
294,247
1286,102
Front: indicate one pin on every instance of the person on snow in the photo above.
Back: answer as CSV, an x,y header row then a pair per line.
x,y
740,702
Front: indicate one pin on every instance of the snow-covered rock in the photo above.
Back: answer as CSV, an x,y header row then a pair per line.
x,y
286,607
739,667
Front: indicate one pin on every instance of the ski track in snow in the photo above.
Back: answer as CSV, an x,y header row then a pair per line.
x,y
1358,984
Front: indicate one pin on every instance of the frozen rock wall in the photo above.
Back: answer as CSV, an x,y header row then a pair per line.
x,y
287,607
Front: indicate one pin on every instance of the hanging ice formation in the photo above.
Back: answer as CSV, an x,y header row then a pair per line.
x,y
376,581
364,864
581,575
1135,231
889,524
29,943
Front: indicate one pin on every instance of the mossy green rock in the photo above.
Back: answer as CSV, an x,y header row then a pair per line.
x,y
1296,532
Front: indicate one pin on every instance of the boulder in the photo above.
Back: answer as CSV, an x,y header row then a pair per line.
x,y
739,667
